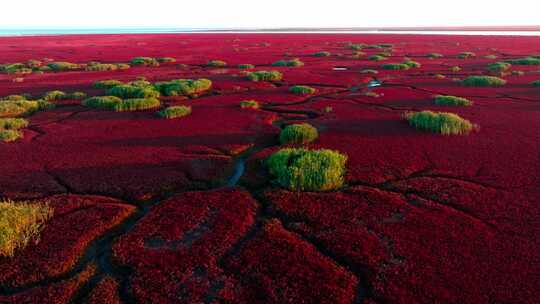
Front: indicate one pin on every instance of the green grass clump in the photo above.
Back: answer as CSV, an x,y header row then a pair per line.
x,y
356,46
144,61
10,128
466,55
412,64
101,67
43,105
55,95
106,66
216,63
249,104
377,58
13,123
107,84
499,66
265,76
44,68
175,112
102,102
166,59
434,55
385,54
379,46
77,95
536,83
16,68
302,90
131,91
483,81
298,134
63,66
7,135
447,100
123,66
322,54
141,83
308,170
531,60
183,87
14,98
246,66
117,104
291,63
137,104
14,108
20,224
34,64
395,66
440,122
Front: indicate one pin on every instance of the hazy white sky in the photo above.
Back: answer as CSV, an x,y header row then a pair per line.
x,y
267,14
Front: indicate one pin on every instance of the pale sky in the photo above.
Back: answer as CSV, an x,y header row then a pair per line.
x,y
265,13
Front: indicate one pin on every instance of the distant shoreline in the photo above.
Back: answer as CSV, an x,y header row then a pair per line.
x,y
503,31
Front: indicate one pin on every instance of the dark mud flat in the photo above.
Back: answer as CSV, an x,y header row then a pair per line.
x,y
150,210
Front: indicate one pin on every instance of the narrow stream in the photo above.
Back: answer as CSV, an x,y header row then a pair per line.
x,y
239,168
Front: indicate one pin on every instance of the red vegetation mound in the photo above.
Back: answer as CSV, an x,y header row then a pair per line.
x,y
277,266
175,249
106,291
55,293
398,240
76,222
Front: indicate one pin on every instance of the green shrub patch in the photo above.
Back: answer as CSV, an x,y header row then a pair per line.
x,y
290,63
440,122
483,81
21,224
265,76
298,134
10,129
300,169
183,87
131,91
447,100
302,90
175,112
249,104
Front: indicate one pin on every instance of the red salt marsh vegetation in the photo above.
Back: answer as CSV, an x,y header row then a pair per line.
x,y
270,168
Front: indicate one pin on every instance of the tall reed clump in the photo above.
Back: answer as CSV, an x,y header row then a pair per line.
x,y
290,63
302,90
249,104
265,76
483,81
144,61
175,112
21,224
440,122
447,100
298,134
300,169
10,128
183,87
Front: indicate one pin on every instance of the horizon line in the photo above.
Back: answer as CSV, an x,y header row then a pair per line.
x,y
358,28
